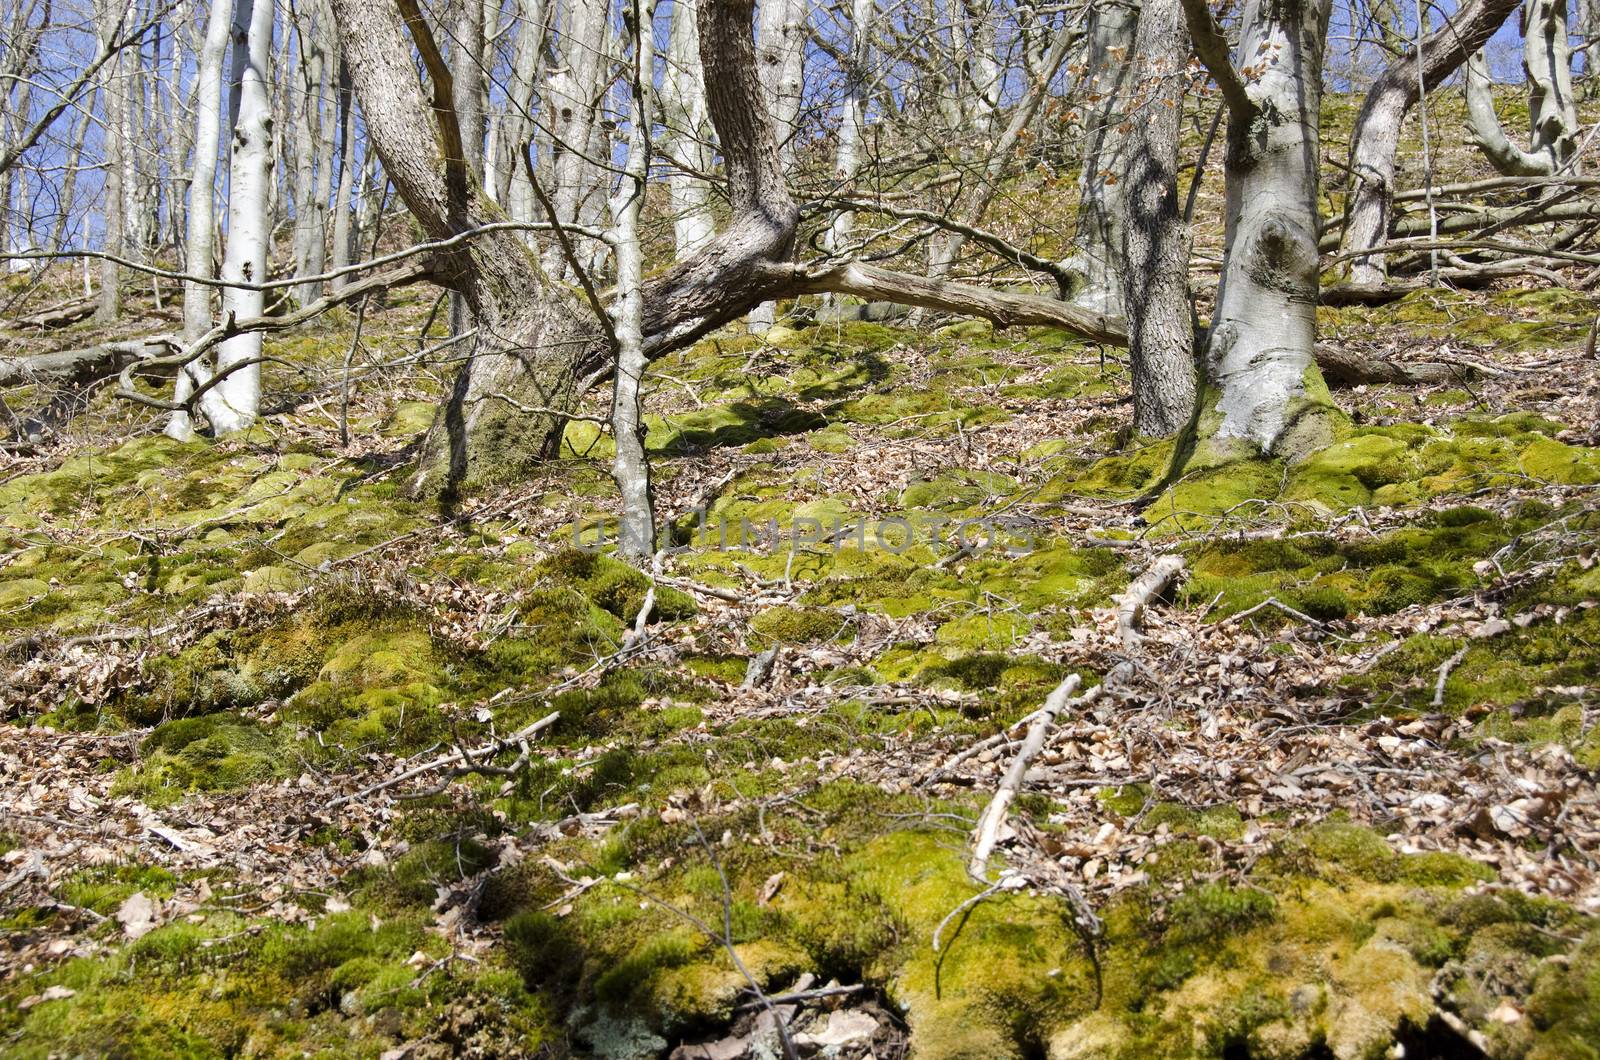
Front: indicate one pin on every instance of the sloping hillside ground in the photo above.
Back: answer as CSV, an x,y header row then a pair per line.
x,y
1346,798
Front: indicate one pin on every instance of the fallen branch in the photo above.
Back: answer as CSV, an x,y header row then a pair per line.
x,y
1145,588
1444,674
83,364
474,755
1273,601
987,833
1348,368
56,316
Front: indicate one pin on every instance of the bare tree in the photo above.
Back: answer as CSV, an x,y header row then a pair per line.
x,y
631,466
198,247
688,124
540,343
1552,110
1095,264
1376,137
113,97
233,404
781,53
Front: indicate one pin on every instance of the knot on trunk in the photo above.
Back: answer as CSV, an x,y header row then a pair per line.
x,y
1282,255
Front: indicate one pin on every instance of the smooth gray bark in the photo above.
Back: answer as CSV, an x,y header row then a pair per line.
x,y
1261,347
1103,92
780,49
688,139
631,466
113,103
1376,136
199,248
852,117
233,404
580,145
1552,111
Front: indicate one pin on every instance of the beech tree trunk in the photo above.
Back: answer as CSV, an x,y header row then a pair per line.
x,y
113,104
344,196
525,74
538,342
781,51
1153,258
572,97
305,103
688,141
1552,112
852,117
201,220
1261,346
1097,244
233,404
1376,137
631,466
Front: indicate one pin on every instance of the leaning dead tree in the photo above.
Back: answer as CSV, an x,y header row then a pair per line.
x,y
540,343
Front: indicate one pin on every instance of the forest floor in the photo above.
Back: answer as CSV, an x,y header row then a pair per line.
x,y
1343,795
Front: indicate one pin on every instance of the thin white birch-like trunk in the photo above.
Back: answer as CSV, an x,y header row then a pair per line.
x,y
780,51
631,465
1097,244
235,402
688,122
852,118
201,213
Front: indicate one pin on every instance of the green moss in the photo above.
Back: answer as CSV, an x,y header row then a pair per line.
x,y
217,752
800,625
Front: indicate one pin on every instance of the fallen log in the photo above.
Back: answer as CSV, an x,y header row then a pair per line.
x,y
1344,367
56,316
84,364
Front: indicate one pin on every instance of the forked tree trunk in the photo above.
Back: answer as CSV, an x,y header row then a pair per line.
x,y
232,405
198,245
1552,112
1260,351
1376,136
1153,258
